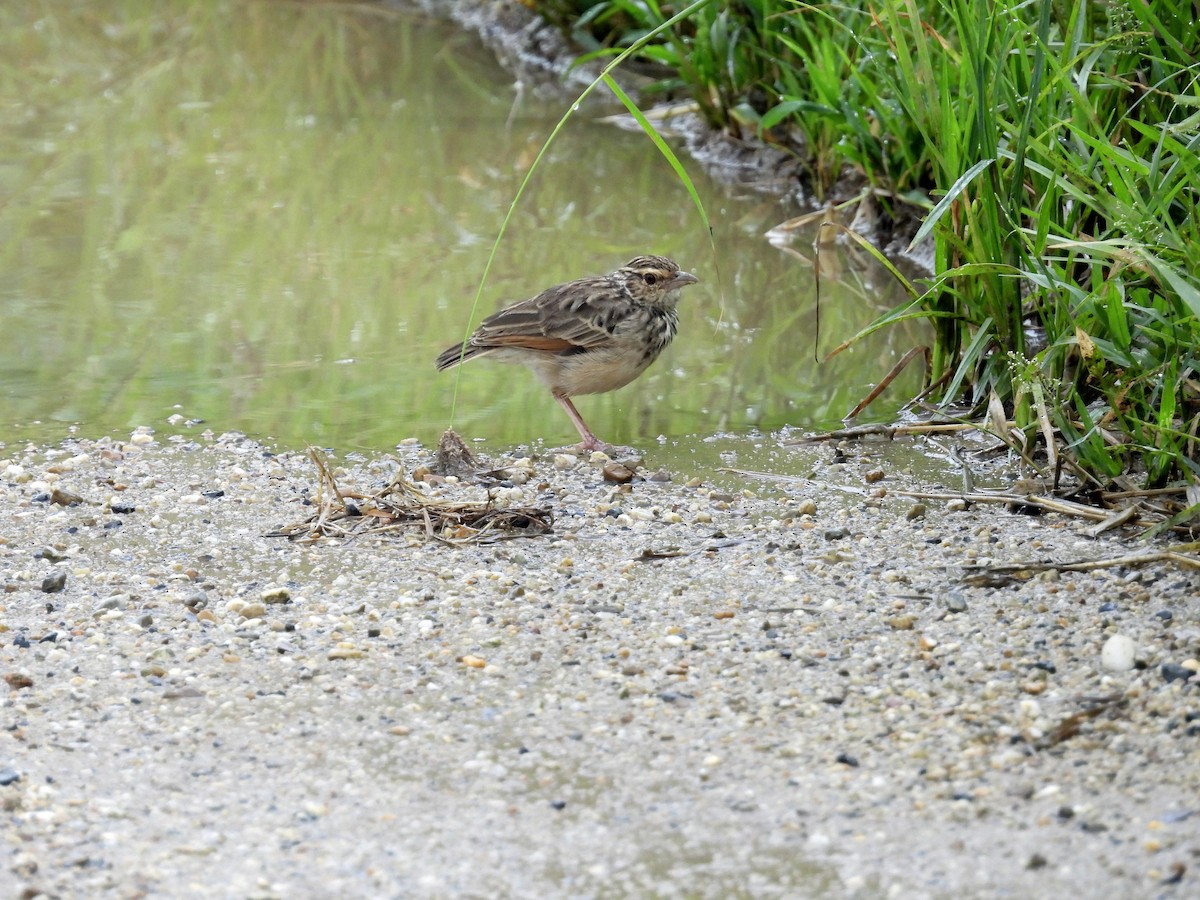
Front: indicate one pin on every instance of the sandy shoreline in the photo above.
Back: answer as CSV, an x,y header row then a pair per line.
x,y
788,700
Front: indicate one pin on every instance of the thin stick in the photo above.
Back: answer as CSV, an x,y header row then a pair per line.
x,y
888,431
1087,565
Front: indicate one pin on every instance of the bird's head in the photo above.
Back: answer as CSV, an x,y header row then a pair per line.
x,y
654,279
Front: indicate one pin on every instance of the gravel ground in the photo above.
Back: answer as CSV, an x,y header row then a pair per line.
x,y
810,701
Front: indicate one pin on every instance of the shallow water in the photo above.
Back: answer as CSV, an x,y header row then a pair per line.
x,y
271,217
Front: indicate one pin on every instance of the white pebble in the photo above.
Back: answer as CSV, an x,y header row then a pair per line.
x,y
1118,653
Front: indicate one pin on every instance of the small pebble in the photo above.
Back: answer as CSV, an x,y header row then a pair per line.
x,y
54,582
194,600
1118,653
1175,672
618,473
276,595
955,602
59,497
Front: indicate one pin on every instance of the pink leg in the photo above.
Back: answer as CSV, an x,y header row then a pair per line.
x,y
590,441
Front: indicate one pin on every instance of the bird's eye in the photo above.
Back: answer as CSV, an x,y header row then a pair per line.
x,y
649,278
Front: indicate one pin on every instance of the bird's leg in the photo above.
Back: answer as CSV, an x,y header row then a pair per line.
x,y
590,441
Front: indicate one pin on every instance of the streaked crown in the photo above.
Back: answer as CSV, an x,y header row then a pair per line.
x,y
654,279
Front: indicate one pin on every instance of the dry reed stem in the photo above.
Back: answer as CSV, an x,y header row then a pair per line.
x,y
401,506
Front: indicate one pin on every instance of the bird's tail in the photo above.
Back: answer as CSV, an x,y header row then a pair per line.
x,y
452,356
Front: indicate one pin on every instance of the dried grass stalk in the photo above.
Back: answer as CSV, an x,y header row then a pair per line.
x,y
402,507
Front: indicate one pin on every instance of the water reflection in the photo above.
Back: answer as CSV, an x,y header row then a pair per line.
x,y
272,216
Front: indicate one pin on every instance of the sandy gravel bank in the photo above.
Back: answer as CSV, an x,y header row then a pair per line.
x,y
794,693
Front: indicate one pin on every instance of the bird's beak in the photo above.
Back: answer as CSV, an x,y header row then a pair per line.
x,y
683,278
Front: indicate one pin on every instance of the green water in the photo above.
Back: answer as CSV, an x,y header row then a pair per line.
x,y
272,216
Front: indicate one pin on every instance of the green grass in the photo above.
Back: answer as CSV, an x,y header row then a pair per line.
x,y
1054,147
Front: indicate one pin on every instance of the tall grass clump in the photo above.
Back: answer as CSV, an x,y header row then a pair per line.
x,y
1053,147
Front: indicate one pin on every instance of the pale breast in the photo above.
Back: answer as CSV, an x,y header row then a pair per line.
x,y
633,347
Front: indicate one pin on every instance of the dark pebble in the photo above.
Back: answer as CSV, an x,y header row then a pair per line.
x,y
54,582
213,494
50,638
1045,665
21,641
114,523
1175,672
1108,607
848,760
1066,812
615,512
122,509
836,534
558,804
1178,870
1165,614
1037,861
41,498
9,776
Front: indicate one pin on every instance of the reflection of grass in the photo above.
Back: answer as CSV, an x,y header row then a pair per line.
x,y
212,204
1057,147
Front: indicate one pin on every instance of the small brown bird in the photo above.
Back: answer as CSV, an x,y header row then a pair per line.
x,y
587,336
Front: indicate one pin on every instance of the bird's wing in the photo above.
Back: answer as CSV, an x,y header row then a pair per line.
x,y
582,314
